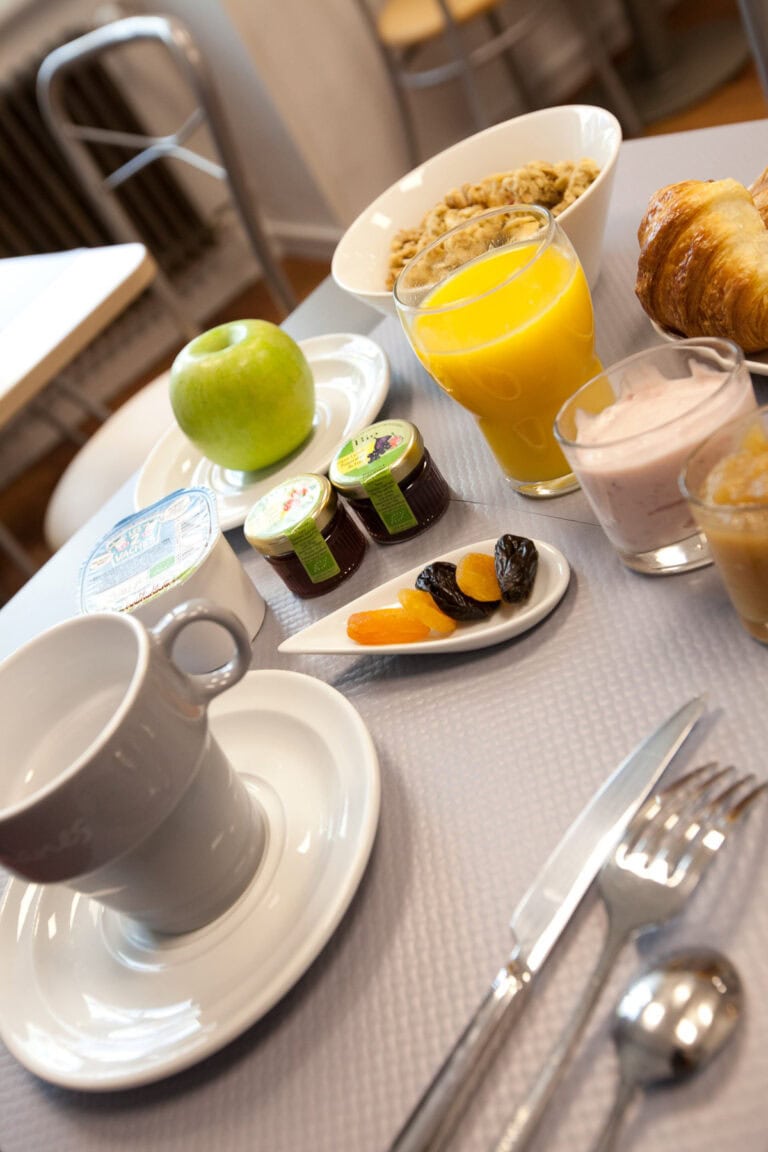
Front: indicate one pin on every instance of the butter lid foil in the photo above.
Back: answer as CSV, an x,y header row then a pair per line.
x,y
149,552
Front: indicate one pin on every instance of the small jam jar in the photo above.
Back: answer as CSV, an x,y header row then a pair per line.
x,y
387,475
305,533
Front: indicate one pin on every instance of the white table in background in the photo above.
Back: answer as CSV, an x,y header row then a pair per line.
x,y
52,306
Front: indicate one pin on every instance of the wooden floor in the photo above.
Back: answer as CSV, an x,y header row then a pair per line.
x,y
23,503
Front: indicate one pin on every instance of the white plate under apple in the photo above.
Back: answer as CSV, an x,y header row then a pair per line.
x,y
329,635
351,376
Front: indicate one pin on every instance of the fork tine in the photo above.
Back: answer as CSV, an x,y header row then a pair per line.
x,y
672,843
707,833
746,802
666,809
693,777
719,806
723,801
650,812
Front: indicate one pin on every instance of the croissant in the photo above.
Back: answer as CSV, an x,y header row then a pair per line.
x,y
759,192
703,267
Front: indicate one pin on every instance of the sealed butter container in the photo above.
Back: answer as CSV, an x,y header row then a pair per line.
x,y
163,556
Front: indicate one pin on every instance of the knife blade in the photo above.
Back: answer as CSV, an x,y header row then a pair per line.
x,y
537,923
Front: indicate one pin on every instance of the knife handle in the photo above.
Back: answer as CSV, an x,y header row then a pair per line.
x,y
433,1118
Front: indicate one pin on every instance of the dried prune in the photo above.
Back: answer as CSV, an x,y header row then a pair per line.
x,y
439,579
517,561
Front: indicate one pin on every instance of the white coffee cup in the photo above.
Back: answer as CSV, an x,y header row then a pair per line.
x,y
111,780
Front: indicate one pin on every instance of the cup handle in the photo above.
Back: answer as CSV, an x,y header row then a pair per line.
x,y
207,684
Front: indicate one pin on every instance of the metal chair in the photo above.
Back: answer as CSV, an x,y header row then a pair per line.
x,y
402,29
172,35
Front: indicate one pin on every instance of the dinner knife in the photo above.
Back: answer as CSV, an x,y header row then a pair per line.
x,y
537,923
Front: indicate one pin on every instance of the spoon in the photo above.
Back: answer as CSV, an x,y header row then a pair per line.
x,y
671,1021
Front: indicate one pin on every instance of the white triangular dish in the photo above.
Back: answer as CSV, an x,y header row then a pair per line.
x,y
329,635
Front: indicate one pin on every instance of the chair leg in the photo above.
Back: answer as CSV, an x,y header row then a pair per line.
x,y
755,21
66,431
77,396
200,80
523,90
475,104
20,557
617,93
406,115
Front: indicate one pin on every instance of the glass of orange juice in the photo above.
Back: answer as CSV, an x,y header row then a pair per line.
x,y
499,312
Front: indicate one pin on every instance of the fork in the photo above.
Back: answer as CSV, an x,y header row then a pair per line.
x,y
652,872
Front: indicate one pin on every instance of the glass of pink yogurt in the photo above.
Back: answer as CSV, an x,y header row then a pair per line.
x,y
627,431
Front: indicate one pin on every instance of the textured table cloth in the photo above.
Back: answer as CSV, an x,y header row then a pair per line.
x,y
485,758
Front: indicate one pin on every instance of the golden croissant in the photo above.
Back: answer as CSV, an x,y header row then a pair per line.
x,y
759,193
703,267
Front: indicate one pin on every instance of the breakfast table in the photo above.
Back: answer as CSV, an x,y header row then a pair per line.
x,y
484,759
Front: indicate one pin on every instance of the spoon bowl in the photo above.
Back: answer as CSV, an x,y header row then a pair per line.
x,y
670,1023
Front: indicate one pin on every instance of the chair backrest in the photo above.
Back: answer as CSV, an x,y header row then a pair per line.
x,y
173,36
505,28
397,38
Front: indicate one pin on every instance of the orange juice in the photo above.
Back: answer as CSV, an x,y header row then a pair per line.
x,y
513,339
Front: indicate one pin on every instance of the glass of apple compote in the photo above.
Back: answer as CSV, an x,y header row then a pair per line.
x,y
499,312
725,481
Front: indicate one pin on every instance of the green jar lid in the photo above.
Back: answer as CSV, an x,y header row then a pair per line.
x,y
270,526
394,446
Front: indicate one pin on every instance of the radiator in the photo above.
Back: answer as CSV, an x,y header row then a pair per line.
x,y
42,208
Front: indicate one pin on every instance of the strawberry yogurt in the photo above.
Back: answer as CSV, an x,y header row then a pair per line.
x,y
627,451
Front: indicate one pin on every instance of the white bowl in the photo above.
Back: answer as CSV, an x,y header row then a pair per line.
x,y
569,132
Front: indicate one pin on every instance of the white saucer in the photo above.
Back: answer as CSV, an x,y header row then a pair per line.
x,y
758,364
330,633
90,1001
351,383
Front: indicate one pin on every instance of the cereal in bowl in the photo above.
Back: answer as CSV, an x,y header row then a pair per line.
x,y
554,186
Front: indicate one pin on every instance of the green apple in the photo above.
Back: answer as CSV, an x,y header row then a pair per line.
x,y
244,394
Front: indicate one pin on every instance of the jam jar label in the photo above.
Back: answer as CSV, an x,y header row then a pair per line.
x,y
315,556
393,508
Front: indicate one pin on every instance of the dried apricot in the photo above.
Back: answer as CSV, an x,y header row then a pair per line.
x,y
385,626
476,576
422,607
